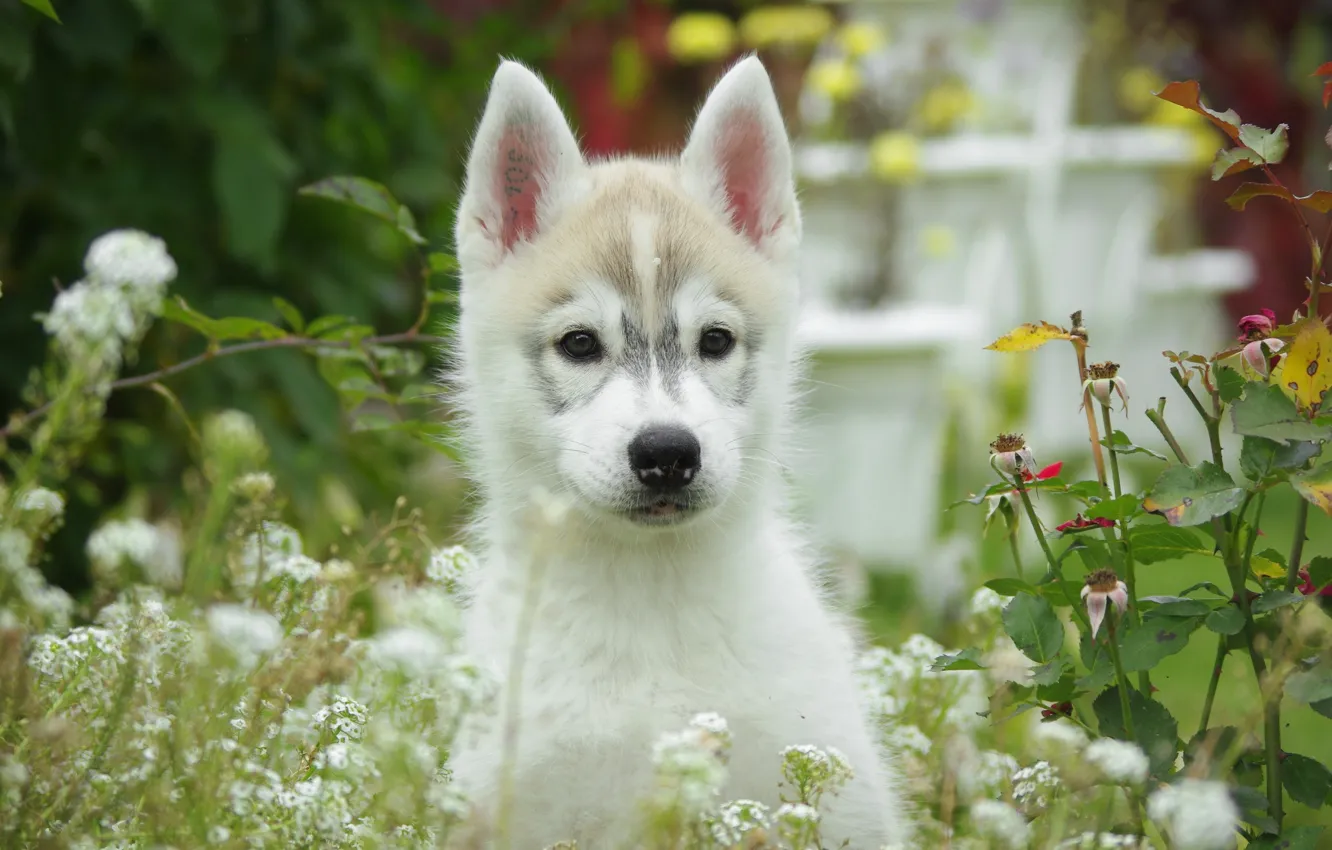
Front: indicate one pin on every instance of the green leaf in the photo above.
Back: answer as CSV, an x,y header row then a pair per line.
x,y
1310,686
1093,552
1122,508
1315,486
1306,781
1260,457
1265,411
1046,675
320,327
441,263
1175,606
1009,586
1294,838
1269,145
1320,572
1274,599
1187,496
1156,730
1062,689
195,33
1228,620
43,6
371,197
1323,707
1145,645
1119,443
252,174
219,330
1155,543
1096,658
967,659
1088,490
289,314
1229,383
1320,201
1233,161
1033,625
1059,592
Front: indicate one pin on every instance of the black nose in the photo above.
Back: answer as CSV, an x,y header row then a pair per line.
x,y
665,457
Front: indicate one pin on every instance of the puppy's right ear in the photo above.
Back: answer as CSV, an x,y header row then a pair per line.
x,y
524,168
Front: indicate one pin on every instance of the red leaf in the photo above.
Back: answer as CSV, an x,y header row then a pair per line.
x,y
1327,93
1188,95
1320,201
1323,70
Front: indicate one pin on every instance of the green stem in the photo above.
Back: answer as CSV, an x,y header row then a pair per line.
x,y
1157,418
1123,688
1297,546
1212,683
1130,578
1049,555
1013,545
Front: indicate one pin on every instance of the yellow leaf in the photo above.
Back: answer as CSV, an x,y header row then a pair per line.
x,y
1266,567
1307,370
1028,337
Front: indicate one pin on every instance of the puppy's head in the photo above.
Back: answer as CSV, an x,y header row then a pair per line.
x,y
626,326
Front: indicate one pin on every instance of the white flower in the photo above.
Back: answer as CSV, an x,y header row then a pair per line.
x,y
411,650
1100,588
1104,841
1199,814
232,434
985,601
1000,823
985,773
120,542
344,717
736,820
272,545
1033,786
91,324
254,486
689,769
448,565
48,504
907,738
797,815
1055,738
131,259
1120,762
218,834
246,632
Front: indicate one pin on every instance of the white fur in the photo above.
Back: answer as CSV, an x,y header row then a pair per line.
x,y
606,633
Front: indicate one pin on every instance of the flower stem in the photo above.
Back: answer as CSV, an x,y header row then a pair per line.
x,y
1123,688
1080,348
1212,422
1297,546
1130,579
1212,683
1013,545
1157,418
1049,555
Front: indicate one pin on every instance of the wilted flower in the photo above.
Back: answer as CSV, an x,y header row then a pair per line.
x,y
1103,586
1199,814
1308,588
1103,380
1001,823
1120,762
1080,523
1009,454
1259,326
1262,355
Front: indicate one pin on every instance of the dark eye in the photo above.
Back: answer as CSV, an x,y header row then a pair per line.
x,y
580,345
715,342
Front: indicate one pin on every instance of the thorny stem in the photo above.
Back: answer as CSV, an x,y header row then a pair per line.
x,y
1123,688
409,337
1315,255
1157,418
1212,422
1080,349
1297,546
1050,559
1212,683
1144,678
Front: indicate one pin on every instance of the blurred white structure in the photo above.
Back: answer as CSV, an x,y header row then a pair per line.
x,y
993,228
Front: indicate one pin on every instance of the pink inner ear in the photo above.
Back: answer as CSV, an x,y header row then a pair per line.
x,y
743,160
518,174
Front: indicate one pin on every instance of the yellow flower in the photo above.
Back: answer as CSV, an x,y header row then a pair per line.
x,y
772,25
837,78
895,156
1137,87
859,38
938,241
700,37
943,105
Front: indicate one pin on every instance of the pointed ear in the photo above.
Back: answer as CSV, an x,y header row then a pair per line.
x,y
524,166
738,159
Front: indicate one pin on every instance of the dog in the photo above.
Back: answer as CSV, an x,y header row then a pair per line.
x,y
626,347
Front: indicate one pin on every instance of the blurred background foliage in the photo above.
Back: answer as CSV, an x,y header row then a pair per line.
x,y
197,120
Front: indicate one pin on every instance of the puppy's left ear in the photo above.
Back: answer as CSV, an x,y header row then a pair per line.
x,y
738,159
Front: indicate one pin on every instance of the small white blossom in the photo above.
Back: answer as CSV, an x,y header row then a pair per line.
x,y
736,820
217,834
986,601
690,769
1000,823
1034,786
448,565
131,259
1120,762
47,504
410,650
1199,814
797,814
120,542
246,632
254,486
91,324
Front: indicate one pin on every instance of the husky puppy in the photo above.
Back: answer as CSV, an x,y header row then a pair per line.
x,y
626,346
